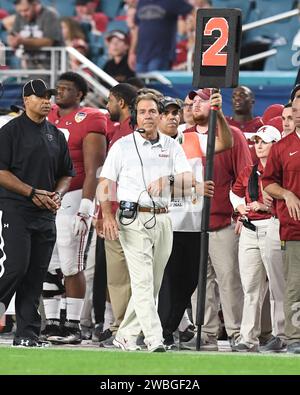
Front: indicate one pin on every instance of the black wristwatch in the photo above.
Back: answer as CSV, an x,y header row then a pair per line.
x,y
31,195
171,180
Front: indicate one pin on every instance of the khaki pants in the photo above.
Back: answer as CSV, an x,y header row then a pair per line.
x,y
292,291
275,271
223,268
253,272
118,281
265,320
147,252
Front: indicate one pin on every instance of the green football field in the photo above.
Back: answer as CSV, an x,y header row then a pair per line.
x,y
76,361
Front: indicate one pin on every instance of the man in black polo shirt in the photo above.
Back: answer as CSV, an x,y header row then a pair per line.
x,y
117,43
35,171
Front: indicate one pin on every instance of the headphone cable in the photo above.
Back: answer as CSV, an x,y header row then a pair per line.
x,y
144,181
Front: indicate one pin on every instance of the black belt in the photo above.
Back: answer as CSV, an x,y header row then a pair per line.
x,y
248,224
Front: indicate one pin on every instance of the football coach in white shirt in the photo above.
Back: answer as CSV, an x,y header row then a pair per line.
x,y
142,168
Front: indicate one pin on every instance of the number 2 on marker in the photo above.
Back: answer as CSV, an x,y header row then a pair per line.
x,y
212,56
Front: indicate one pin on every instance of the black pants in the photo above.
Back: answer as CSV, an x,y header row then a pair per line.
x,y
26,245
100,282
180,280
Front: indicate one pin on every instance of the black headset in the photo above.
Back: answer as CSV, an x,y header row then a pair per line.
x,y
133,116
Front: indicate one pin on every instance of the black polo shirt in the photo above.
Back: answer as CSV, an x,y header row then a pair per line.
x,y
119,71
36,153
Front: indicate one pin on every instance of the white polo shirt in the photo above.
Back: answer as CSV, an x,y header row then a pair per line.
x,y
122,165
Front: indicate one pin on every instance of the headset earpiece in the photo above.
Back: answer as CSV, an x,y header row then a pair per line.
x,y
160,106
133,119
133,114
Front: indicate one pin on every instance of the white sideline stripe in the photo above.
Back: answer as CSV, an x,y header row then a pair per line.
x,y
3,259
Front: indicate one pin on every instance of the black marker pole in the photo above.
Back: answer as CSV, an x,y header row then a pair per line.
x,y
209,170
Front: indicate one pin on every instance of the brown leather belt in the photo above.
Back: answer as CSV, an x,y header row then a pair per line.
x,y
161,210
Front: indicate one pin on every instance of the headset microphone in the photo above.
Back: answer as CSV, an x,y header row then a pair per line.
x,y
141,130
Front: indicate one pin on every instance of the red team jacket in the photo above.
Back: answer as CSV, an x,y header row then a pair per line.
x,y
240,188
283,168
251,126
75,127
120,130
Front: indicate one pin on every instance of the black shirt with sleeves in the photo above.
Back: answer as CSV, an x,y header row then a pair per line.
x,y
36,153
119,71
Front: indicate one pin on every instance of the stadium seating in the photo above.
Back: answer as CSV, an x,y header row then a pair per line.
x,y
117,25
64,8
97,49
245,6
3,33
3,13
48,3
112,16
111,7
8,5
284,60
263,10
12,94
101,21
276,7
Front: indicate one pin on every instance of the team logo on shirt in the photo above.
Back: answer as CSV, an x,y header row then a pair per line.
x,y
164,153
80,116
49,136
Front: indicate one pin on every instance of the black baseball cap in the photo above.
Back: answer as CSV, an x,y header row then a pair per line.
x,y
168,101
37,88
294,91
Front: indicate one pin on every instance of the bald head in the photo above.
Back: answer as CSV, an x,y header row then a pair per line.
x,y
242,101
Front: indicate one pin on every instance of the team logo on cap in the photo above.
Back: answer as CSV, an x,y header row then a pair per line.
x,y
80,116
263,129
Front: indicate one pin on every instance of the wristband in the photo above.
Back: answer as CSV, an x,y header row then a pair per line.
x,y
32,193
